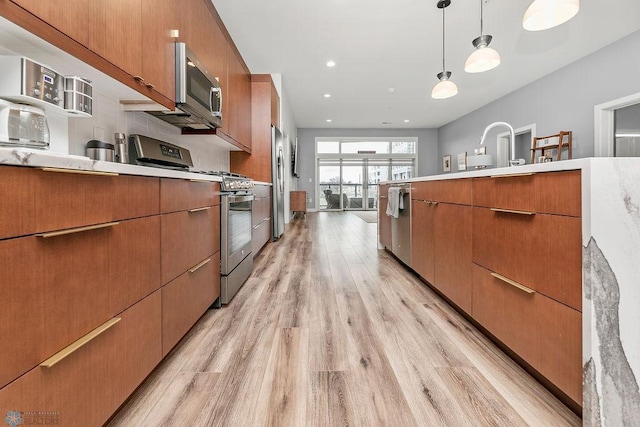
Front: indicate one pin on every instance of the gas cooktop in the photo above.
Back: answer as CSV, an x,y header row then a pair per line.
x,y
231,182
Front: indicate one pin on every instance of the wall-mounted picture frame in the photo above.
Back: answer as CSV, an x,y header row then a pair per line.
x,y
446,163
462,161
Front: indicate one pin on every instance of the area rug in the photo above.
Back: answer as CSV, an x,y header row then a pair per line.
x,y
368,216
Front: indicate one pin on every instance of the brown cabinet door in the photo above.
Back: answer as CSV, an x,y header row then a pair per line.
x,y
22,313
543,332
549,192
158,47
541,251
116,33
82,390
423,239
187,238
136,196
77,288
87,386
384,221
134,260
70,17
456,191
180,194
423,190
236,114
67,200
561,343
186,298
17,208
142,340
452,232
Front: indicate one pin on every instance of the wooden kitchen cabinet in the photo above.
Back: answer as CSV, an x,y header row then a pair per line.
x,y
441,225
186,298
422,239
550,192
181,195
384,221
257,164
237,102
89,384
69,16
544,333
452,235
187,237
22,313
135,35
540,251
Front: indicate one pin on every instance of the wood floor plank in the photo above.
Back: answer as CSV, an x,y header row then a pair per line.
x,y
286,380
329,330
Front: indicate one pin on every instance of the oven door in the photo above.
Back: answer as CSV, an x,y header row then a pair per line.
x,y
235,227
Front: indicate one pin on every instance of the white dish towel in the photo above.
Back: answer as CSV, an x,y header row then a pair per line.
x,y
394,202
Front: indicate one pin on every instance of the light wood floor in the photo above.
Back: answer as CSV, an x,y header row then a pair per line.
x,y
331,331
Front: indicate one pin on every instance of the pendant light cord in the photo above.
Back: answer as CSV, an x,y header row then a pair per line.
x,y
443,38
481,19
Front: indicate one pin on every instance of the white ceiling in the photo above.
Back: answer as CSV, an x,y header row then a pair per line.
x,y
382,44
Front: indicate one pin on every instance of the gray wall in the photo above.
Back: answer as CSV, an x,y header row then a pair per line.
x,y
563,100
427,151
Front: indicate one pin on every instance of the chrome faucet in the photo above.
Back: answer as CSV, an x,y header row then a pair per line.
x,y
512,134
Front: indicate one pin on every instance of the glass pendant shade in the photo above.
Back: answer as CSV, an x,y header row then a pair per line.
x,y
545,14
483,58
445,87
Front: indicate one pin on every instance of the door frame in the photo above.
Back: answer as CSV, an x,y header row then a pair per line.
x,y
605,126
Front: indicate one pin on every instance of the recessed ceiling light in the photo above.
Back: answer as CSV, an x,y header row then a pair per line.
x,y
328,120
331,64
327,95
392,89
406,120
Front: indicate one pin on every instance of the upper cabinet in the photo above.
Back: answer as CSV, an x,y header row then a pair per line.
x,y
71,17
236,115
135,35
133,42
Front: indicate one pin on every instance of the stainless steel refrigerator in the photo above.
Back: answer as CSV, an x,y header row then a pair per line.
x,y
277,178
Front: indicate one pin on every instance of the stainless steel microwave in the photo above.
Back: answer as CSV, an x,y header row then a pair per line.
x,y
198,97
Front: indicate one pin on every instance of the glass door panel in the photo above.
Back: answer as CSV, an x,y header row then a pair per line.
x,y
329,184
353,189
377,171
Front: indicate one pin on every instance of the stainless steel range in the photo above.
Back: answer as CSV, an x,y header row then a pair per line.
x,y
236,259
236,198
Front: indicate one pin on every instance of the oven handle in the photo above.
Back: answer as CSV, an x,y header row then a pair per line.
x,y
237,199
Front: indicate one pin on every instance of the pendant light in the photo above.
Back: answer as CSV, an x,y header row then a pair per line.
x,y
445,87
483,58
545,14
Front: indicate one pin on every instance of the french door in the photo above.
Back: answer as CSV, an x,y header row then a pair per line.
x,y
352,183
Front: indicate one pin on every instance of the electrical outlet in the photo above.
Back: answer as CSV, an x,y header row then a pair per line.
x,y
98,133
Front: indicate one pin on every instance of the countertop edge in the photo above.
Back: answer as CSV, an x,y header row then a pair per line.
x,y
10,156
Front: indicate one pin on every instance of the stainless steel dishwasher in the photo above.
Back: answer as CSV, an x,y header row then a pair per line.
x,y
401,226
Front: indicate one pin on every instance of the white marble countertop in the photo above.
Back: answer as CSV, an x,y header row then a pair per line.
x,y
478,173
12,156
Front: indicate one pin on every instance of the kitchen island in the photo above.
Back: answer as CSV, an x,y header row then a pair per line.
x,y
609,225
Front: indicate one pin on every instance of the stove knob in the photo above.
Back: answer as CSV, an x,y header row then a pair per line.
x,y
36,92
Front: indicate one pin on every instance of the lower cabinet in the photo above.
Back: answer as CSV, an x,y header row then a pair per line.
x,y
543,332
452,233
88,384
186,298
423,242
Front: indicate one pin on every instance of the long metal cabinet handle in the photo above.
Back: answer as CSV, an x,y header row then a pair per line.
x,y
76,230
80,172
512,175
197,266
513,283
71,348
199,209
511,211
